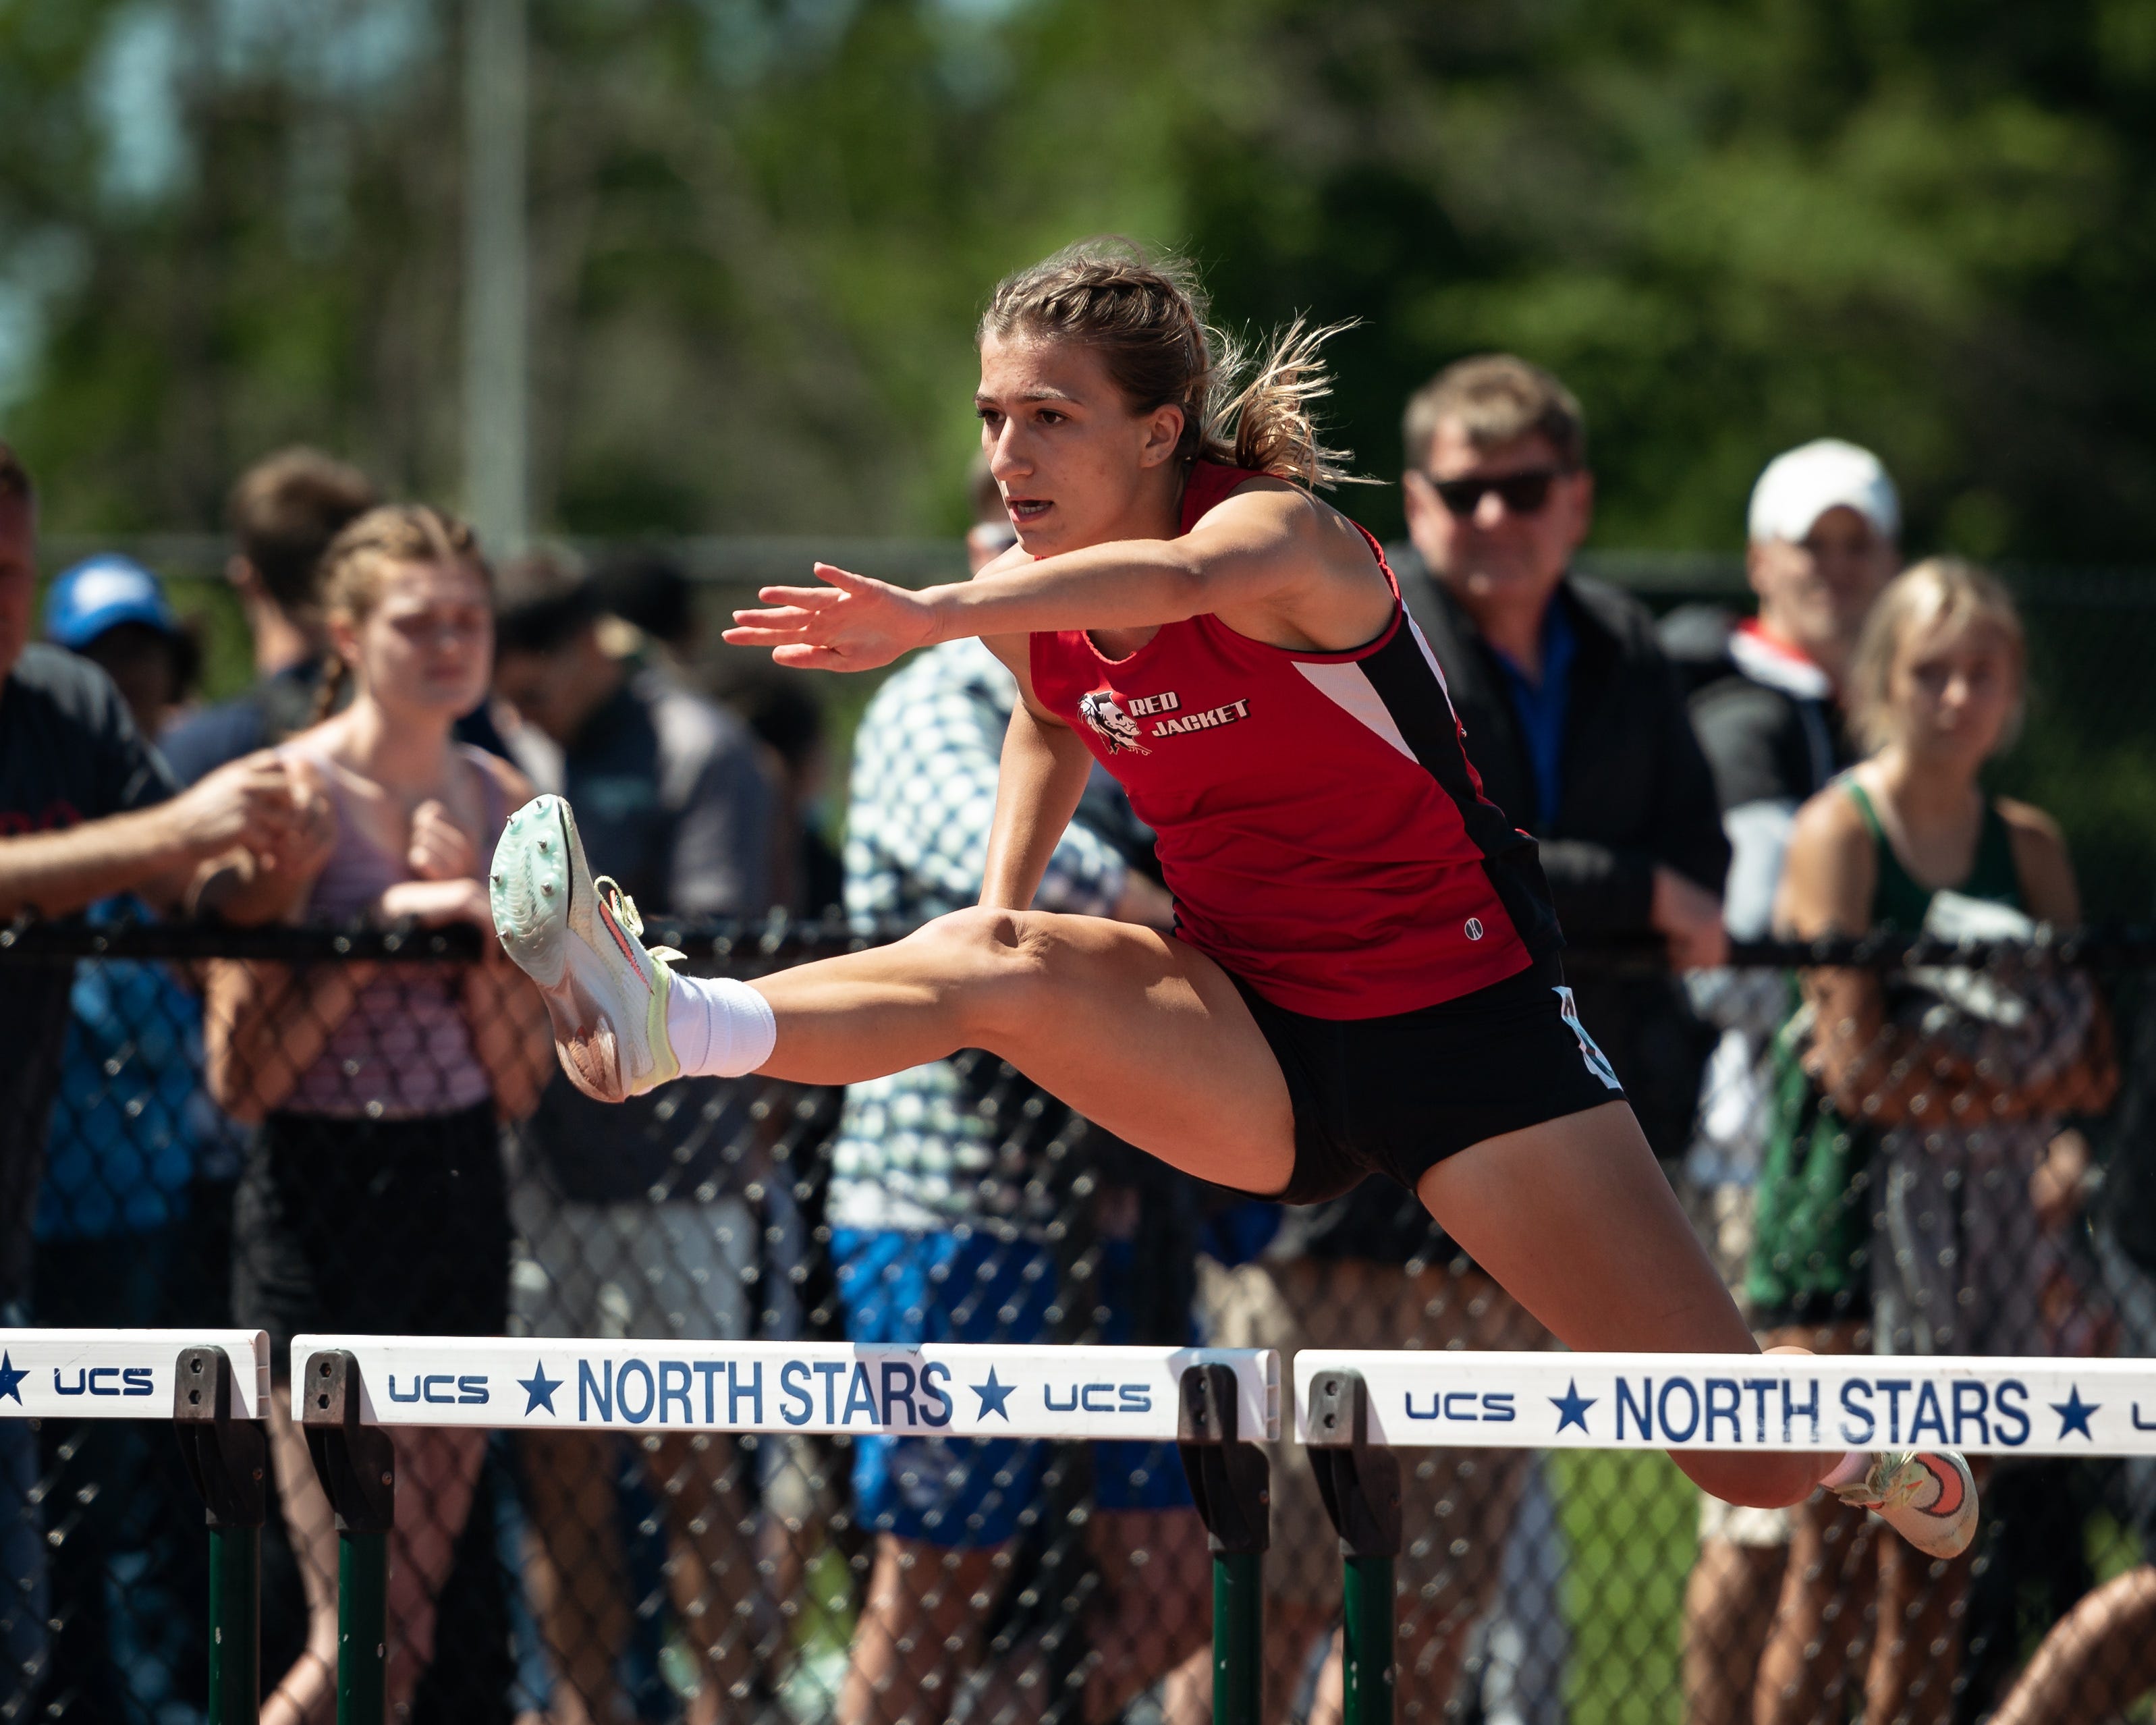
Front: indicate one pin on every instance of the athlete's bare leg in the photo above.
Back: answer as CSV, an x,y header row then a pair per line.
x,y
1143,1035
1150,1039
1575,1218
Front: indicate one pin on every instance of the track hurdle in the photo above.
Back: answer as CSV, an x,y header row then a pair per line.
x,y
1355,1406
1215,1404
214,1386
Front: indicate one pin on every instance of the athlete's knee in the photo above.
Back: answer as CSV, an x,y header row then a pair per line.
x,y
999,963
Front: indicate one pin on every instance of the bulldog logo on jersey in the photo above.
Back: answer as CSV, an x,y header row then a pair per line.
x,y
1109,722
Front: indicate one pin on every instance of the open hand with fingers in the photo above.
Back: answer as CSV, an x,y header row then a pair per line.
x,y
855,623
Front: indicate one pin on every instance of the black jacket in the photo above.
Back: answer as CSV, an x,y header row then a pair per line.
x,y
1637,790
1773,735
1637,793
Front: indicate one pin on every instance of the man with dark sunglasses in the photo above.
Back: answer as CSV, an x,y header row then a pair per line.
x,y
1581,734
1579,722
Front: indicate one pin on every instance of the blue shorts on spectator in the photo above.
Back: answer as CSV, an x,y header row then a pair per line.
x,y
973,1285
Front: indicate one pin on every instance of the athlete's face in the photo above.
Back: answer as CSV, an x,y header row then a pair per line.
x,y
426,645
1952,691
1496,552
1815,593
1076,463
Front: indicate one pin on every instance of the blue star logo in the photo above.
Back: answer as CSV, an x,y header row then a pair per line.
x,y
1571,1406
539,1388
2074,1413
993,1396
10,1378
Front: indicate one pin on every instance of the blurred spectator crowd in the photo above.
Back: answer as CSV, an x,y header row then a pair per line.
x,y
1936,1160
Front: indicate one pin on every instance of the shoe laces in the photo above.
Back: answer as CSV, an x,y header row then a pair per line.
x,y
1892,1482
626,914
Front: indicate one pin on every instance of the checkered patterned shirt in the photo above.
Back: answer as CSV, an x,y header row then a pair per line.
x,y
923,1149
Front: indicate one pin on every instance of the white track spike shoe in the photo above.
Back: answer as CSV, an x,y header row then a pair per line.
x,y
577,938
1926,1496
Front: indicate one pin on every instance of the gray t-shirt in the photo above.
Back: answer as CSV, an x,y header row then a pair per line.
x,y
672,800
69,752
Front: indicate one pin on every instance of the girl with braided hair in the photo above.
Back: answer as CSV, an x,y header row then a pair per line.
x,y
373,1198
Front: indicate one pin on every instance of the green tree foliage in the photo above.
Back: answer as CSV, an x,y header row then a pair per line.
x,y
761,232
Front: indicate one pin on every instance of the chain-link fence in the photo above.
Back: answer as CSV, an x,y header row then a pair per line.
x,y
1922,1149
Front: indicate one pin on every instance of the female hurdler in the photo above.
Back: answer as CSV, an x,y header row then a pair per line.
x,y
1364,972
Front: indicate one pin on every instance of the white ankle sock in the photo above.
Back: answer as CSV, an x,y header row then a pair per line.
x,y
719,1028
1852,1466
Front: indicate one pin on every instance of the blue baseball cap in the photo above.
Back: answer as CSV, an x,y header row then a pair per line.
x,y
101,592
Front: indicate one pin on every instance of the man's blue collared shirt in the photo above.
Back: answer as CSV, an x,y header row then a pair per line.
x,y
1542,706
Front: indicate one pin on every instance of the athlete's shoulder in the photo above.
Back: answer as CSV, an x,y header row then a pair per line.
x,y
1213,492
1262,502
1209,484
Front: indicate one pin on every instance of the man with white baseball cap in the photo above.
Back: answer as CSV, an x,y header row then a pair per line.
x,y
1825,528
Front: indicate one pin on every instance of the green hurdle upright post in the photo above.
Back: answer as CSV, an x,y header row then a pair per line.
x,y
1360,1482
358,1472
1232,1484
227,1459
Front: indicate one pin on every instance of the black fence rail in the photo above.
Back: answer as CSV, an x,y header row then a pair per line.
x,y
1887,1146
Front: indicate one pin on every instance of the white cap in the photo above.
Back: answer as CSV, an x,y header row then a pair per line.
x,y
1802,483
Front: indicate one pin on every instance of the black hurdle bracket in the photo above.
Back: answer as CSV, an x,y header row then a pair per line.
x,y
227,1459
357,1468
1360,1482
1231,1482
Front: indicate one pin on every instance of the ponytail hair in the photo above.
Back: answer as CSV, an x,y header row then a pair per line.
x,y
351,574
1144,316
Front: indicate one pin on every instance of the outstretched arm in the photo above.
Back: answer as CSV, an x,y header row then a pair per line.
x,y
1271,561
1045,767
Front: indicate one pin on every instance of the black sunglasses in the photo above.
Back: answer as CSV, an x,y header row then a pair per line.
x,y
1523,493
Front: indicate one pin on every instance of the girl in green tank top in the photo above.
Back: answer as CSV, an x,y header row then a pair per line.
x,y
1881,1215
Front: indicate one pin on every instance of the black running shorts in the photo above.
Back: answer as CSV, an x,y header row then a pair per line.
x,y
1395,1096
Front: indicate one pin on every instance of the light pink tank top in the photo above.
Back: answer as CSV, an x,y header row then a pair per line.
x,y
404,1049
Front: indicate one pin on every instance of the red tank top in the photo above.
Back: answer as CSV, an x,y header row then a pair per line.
x,y
1321,828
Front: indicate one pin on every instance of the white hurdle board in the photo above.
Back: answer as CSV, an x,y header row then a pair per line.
x,y
935,1390
1676,1401
121,1374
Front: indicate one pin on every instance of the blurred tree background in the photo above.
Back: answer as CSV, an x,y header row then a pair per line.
x,y
761,229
